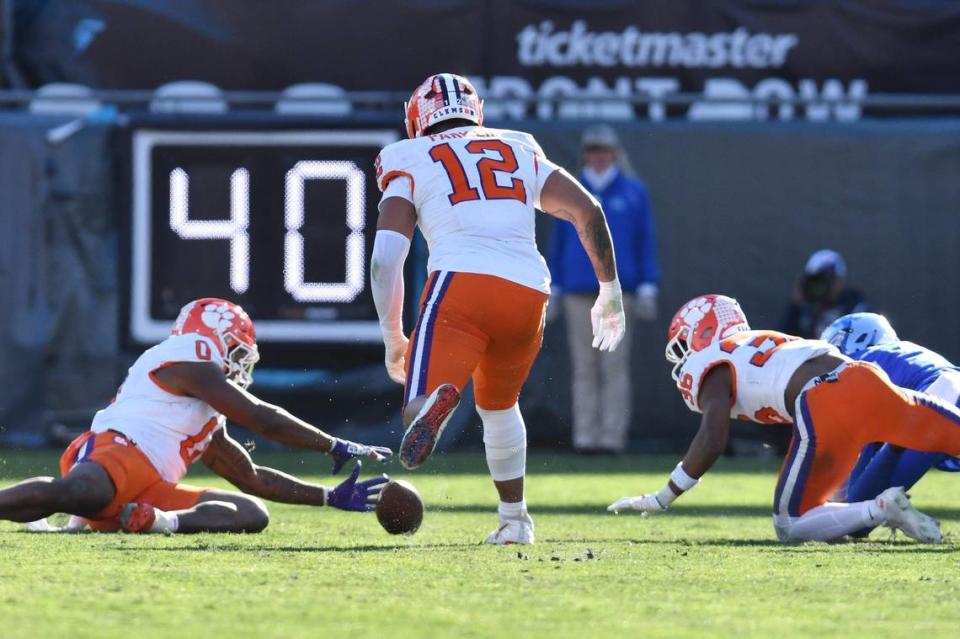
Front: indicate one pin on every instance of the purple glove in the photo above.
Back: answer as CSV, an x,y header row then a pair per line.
x,y
357,496
343,451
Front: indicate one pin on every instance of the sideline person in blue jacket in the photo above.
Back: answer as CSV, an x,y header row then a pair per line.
x,y
602,393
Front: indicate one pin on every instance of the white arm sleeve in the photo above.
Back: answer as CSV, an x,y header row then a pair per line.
x,y
386,279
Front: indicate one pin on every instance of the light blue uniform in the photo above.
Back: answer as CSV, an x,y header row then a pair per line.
x,y
913,367
907,364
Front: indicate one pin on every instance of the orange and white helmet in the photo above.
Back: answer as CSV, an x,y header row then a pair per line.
x,y
699,323
230,328
445,96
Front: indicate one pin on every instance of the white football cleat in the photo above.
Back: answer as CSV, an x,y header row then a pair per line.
x,y
75,524
899,513
41,525
512,531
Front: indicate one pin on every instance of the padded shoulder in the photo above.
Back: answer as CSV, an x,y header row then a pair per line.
x,y
395,160
189,347
524,138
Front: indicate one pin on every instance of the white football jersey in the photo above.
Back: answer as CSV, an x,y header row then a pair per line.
x,y
171,430
475,190
762,363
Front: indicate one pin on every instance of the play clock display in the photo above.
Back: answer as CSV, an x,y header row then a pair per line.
x,y
281,222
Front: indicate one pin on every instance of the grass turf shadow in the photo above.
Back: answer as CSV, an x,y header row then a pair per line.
x,y
706,510
878,546
232,547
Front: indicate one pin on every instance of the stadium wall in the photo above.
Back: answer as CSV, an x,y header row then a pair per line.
x,y
738,206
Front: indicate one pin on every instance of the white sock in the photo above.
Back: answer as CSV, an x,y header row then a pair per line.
x,y
75,524
512,509
831,521
164,522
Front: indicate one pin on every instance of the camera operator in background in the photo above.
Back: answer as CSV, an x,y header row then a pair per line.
x,y
820,296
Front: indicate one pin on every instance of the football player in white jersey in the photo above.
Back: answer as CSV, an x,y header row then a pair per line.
x,y
170,411
725,371
474,192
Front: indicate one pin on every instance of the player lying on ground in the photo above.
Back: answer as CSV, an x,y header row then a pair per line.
x,y
473,192
868,337
725,370
170,411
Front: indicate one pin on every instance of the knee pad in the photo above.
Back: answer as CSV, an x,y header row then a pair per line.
x,y
505,442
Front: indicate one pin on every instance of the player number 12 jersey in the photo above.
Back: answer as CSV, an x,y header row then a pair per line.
x,y
476,191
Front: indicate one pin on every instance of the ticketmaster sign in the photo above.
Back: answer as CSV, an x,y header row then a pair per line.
x,y
545,59
545,45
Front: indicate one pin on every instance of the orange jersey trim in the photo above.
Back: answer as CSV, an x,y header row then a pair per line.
x,y
161,385
390,175
733,379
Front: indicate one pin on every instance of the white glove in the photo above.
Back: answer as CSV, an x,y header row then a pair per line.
x,y
607,317
643,503
395,357
645,303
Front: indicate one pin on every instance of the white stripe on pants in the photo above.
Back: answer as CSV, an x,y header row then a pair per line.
x,y
416,360
804,448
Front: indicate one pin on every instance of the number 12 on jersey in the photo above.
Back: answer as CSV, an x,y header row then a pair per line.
x,y
487,167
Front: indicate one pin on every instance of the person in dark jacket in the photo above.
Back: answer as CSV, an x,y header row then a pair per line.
x,y
602,396
820,296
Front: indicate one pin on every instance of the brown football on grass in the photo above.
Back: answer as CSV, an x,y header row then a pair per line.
x,y
400,509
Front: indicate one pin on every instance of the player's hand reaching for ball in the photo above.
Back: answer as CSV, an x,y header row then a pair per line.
x,y
395,357
607,317
343,451
358,496
643,503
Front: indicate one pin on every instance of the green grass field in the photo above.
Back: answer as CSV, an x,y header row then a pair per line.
x,y
708,568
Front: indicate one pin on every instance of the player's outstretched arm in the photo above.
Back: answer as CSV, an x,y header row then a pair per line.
x,y
716,393
205,381
227,458
707,446
565,198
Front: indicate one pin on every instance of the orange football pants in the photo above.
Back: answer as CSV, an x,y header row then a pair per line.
x,y
132,474
478,326
838,414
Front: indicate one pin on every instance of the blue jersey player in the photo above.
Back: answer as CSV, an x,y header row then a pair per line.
x,y
869,337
